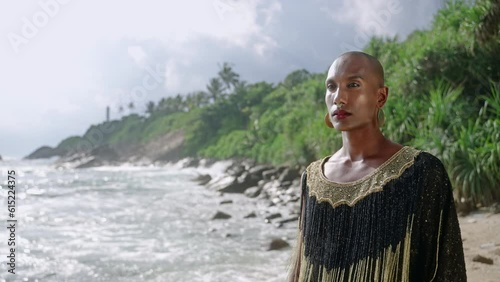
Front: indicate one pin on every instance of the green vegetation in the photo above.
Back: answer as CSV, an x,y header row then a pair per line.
x,y
444,98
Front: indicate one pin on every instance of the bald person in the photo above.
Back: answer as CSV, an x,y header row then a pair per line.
x,y
374,210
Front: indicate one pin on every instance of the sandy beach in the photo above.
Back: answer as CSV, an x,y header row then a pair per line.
x,y
481,236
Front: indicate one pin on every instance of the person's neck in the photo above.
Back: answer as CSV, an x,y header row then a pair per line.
x,y
358,145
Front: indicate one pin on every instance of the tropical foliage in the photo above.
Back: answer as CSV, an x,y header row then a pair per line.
x,y
444,98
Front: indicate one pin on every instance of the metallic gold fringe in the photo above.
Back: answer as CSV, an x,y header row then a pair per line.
x,y
384,267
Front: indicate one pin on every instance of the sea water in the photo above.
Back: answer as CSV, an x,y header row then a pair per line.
x,y
132,223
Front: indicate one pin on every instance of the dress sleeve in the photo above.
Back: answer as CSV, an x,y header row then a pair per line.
x,y
441,241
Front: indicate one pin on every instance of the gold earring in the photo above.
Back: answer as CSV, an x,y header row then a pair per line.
x,y
328,121
380,117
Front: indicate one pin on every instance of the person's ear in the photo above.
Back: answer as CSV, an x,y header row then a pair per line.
x,y
383,93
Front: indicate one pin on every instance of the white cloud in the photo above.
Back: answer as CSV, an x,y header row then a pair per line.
x,y
370,17
137,53
90,54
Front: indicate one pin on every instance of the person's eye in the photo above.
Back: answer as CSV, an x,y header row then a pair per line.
x,y
330,87
353,84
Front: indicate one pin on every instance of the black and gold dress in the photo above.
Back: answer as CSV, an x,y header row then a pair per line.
x,y
398,223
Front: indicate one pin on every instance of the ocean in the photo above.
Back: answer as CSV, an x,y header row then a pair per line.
x,y
132,223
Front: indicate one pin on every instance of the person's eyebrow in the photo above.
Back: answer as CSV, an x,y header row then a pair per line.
x,y
355,77
330,80
352,77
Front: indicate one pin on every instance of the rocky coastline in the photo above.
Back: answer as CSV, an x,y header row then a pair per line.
x,y
277,189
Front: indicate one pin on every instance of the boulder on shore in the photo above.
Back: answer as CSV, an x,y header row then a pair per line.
x,y
481,259
221,215
233,184
202,179
253,192
277,244
102,155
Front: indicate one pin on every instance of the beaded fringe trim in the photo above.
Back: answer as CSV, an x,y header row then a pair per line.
x,y
384,267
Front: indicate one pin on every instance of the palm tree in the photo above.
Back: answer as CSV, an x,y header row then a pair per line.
x,y
179,103
228,76
215,89
201,98
150,107
190,102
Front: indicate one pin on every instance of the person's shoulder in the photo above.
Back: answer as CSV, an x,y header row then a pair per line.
x,y
315,165
317,162
428,159
429,163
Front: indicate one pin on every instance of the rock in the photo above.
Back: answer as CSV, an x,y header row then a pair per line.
x,y
105,153
233,184
258,170
270,174
247,179
253,192
487,246
494,209
190,162
102,155
289,174
202,179
481,259
261,183
226,202
464,207
288,219
44,152
271,185
206,162
285,184
90,162
276,200
235,170
221,182
278,244
250,215
221,215
273,216
496,251
247,164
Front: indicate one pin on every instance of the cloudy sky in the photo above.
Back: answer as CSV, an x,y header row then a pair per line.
x,y
63,61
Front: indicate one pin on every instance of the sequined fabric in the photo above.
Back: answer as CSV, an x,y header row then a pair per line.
x,y
397,224
349,193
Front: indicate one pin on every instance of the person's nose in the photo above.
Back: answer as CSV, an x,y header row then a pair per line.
x,y
339,96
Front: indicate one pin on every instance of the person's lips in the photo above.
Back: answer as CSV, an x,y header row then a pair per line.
x,y
341,114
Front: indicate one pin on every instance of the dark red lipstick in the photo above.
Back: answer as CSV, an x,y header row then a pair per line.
x,y
341,114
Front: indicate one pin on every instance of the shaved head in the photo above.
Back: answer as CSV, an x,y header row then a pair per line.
x,y
375,67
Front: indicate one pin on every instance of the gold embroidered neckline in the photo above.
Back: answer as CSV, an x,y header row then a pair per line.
x,y
349,193
349,183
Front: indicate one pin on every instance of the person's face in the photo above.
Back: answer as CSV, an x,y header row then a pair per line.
x,y
352,81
